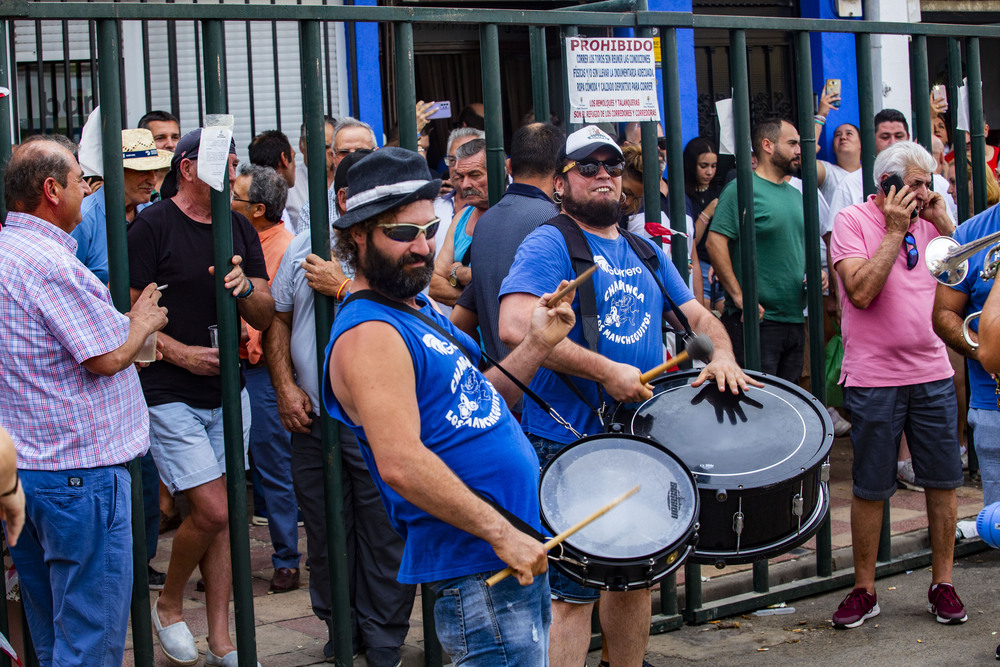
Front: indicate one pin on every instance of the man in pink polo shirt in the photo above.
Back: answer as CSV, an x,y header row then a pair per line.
x,y
896,372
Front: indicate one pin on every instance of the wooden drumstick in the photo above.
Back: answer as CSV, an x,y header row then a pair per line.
x,y
576,282
558,539
699,347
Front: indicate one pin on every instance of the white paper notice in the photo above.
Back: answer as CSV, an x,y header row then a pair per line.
x,y
213,151
611,79
727,130
91,157
962,123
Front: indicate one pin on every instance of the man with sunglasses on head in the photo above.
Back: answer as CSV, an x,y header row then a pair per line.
x,y
896,374
457,476
630,304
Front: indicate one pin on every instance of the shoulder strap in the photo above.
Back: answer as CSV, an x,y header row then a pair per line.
x,y
581,258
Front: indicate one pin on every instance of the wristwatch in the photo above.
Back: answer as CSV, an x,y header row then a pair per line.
x,y
453,277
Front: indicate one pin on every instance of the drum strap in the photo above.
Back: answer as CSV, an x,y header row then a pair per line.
x,y
371,295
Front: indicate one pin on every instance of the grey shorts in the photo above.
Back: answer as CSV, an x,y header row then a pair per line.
x,y
927,413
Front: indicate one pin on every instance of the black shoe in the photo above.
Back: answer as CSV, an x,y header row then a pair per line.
x,y
156,578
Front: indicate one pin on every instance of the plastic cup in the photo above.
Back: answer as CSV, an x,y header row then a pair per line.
x,y
147,353
213,335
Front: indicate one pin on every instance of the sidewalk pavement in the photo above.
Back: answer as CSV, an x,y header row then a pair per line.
x,y
289,635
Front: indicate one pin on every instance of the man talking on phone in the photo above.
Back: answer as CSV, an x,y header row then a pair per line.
x,y
902,386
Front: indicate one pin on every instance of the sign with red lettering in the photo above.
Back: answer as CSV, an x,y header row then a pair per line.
x,y
611,79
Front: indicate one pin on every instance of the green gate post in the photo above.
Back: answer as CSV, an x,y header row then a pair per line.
x,y
311,68
539,73
976,122
229,362
920,91
692,591
814,292
958,136
489,45
114,194
406,94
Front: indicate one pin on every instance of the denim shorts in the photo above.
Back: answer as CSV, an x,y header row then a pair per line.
x,y
188,444
563,588
927,413
500,626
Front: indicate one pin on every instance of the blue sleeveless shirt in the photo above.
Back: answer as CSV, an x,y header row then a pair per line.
x,y
465,422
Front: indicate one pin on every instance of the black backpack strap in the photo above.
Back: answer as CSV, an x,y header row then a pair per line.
x,y
648,256
581,258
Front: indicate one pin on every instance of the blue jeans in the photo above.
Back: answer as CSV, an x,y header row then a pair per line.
x,y
271,449
74,560
507,624
986,432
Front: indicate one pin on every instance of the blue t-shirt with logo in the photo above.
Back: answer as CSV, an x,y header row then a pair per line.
x,y
985,391
629,309
465,422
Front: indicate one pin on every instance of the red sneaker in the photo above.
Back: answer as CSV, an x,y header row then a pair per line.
x,y
857,607
945,604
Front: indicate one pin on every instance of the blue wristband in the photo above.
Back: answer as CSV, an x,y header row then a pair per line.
x,y
246,294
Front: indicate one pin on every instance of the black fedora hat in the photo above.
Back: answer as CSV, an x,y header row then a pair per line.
x,y
386,179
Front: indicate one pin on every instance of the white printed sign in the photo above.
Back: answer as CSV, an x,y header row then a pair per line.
x,y
213,150
611,79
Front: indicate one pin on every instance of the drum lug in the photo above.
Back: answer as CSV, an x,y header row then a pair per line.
x,y
797,504
651,572
824,472
721,495
738,524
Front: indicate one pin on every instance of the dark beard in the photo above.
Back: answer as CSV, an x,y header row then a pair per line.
x,y
786,164
600,214
392,279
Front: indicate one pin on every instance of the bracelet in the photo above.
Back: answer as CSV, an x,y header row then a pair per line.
x,y
17,484
819,120
340,290
246,294
702,215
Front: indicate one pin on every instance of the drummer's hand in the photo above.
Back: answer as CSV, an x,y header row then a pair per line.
x,y
621,381
549,325
725,371
522,553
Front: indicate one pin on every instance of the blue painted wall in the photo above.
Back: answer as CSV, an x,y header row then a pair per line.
x,y
833,57
369,73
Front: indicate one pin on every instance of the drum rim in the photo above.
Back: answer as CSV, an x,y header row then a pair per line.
x,y
683,378
688,534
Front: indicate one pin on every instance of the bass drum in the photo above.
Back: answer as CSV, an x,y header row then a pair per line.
x,y
759,459
638,542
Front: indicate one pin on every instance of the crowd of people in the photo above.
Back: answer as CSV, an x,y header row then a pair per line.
x,y
441,449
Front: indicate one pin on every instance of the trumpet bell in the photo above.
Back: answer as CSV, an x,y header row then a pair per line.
x,y
946,270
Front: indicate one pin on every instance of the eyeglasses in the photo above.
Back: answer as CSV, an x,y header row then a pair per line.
x,y
406,232
661,142
450,160
912,255
590,168
247,201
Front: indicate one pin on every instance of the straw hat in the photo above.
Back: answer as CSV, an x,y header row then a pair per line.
x,y
139,151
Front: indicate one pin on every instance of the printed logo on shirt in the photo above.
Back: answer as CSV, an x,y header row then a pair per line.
x,y
478,403
626,320
621,273
438,345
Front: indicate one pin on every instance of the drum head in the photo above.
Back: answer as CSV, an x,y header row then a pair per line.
x,y
588,474
760,437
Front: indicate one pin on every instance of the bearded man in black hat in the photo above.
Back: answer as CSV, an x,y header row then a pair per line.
x,y
450,462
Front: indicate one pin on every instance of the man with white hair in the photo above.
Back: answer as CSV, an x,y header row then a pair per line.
x,y
902,386
452,199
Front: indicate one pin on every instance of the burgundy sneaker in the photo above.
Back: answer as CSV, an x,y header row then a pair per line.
x,y
945,604
857,607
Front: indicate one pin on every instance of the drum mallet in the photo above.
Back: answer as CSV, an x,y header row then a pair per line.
x,y
576,282
558,539
698,347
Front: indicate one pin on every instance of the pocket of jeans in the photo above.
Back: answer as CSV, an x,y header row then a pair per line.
x,y
450,622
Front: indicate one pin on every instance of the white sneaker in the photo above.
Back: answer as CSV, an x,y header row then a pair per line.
x,y
841,426
904,476
965,530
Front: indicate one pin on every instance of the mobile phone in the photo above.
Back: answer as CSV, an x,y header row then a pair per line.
x,y
939,92
439,110
833,88
898,182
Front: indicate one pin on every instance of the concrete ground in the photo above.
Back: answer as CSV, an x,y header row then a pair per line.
x,y
289,635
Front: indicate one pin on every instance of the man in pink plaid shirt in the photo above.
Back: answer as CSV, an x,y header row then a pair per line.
x,y
75,411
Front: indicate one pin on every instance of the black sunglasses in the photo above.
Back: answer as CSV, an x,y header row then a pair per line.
x,y
590,168
912,255
406,232
662,143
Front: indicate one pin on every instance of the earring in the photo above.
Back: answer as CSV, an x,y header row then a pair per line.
x,y
557,197
622,200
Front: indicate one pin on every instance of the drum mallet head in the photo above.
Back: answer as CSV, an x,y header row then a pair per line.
x,y
699,346
988,525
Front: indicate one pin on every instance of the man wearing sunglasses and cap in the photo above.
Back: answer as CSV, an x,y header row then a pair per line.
x,y
453,468
171,242
628,341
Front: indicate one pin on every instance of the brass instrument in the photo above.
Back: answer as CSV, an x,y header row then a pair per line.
x,y
948,262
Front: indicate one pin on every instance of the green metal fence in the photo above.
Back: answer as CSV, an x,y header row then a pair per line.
x,y
612,14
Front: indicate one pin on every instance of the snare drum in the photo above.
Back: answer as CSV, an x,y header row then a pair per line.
x,y
759,459
638,542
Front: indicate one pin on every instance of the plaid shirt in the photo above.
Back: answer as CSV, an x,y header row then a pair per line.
x,y
54,315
